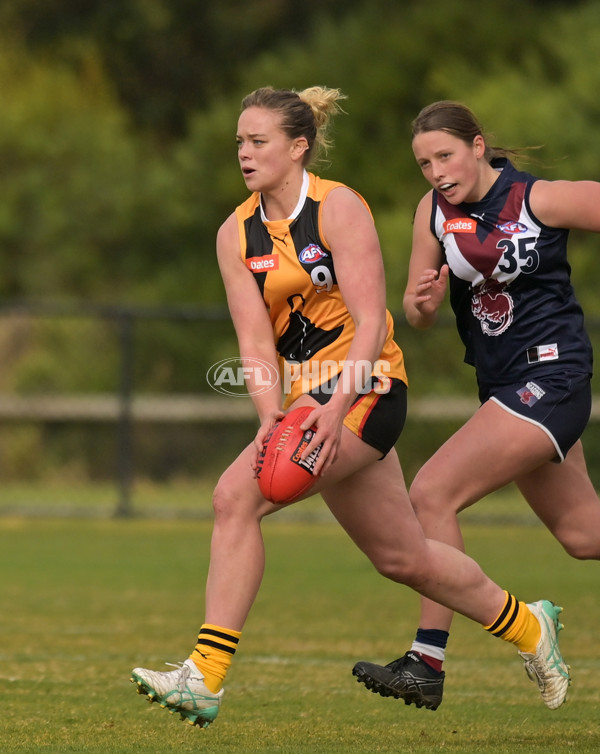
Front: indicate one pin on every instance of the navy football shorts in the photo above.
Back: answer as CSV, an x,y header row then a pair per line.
x,y
560,404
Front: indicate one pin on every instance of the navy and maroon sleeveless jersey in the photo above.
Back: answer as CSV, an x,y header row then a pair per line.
x,y
510,284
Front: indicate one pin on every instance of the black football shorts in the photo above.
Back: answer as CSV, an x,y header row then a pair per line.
x,y
378,414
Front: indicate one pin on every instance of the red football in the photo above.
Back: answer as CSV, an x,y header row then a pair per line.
x,y
282,474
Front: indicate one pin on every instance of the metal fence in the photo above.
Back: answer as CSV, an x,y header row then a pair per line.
x,y
99,415
106,410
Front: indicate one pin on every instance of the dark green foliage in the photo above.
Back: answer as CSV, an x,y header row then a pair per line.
x,y
166,58
99,201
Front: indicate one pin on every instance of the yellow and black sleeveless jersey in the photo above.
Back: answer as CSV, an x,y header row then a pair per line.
x,y
294,269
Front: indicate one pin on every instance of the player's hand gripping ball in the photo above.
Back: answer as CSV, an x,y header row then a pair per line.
x,y
282,474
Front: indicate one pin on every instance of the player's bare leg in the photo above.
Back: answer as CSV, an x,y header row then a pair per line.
x,y
565,500
470,465
373,507
235,574
448,488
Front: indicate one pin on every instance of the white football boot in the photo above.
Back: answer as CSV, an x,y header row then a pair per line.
x,y
546,667
181,690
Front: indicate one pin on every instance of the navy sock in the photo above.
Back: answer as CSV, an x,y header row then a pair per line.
x,y
430,645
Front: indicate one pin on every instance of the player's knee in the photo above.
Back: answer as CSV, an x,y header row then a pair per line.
x,y
426,496
400,568
582,545
237,501
223,499
233,499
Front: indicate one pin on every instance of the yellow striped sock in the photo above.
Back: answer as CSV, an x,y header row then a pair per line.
x,y
517,625
213,653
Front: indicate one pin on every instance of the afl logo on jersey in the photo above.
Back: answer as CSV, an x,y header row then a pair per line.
x,y
512,226
311,254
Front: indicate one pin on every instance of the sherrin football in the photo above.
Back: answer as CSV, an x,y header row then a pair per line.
x,y
282,474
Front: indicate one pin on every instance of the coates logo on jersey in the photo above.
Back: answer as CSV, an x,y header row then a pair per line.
x,y
512,226
263,264
460,225
311,254
530,394
493,307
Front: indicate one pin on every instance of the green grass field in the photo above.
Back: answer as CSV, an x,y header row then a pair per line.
x,y
84,601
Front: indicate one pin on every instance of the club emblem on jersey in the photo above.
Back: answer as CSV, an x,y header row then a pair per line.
x,y
311,254
302,338
493,307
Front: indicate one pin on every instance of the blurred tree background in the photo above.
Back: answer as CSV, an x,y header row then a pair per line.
x,y
118,156
118,121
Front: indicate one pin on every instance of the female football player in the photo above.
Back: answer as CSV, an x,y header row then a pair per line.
x,y
497,237
302,268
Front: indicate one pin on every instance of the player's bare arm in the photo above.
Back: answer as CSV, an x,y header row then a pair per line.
x,y
250,320
567,204
427,276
